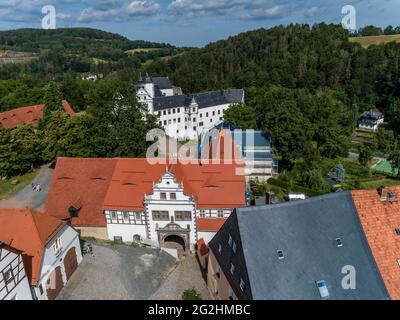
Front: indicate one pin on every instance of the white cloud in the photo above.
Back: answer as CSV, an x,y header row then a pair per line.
x,y
274,12
118,11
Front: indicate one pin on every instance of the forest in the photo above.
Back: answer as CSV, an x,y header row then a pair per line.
x,y
306,87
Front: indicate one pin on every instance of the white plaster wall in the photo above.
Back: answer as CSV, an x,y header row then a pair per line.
x,y
22,290
126,231
69,239
206,235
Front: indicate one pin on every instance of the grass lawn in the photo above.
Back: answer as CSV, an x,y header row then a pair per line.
x,y
7,189
377,183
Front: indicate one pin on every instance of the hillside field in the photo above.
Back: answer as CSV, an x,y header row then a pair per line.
x,y
368,41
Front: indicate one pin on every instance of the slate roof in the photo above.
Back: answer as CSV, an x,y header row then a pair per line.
x,y
305,231
162,83
204,100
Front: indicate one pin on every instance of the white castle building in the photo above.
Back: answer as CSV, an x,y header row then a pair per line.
x,y
184,116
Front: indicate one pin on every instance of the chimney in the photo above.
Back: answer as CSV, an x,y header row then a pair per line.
x,y
386,195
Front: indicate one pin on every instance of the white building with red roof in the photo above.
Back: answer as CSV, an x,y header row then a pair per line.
x,y
131,199
47,248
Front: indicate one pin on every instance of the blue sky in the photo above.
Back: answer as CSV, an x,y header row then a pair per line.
x,y
192,22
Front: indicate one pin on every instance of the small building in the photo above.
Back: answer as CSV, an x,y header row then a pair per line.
x,y
184,116
16,117
134,200
251,147
14,283
296,196
370,120
50,251
302,250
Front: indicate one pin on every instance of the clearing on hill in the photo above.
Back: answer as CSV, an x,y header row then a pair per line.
x,y
370,40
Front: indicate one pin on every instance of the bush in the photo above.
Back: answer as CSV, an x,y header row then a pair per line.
x,y
191,294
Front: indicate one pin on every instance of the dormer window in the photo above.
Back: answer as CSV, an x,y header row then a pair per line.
x,y
57,246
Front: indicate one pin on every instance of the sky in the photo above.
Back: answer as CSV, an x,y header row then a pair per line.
x,y
192,22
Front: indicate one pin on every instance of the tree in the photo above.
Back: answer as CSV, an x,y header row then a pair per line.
x,y
365,156
241,115
394,159
52,99
313,179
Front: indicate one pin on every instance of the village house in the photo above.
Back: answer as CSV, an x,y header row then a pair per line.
x,y
184,116
32,114
342,246
133,200
43,250
370,120
253,148
14,283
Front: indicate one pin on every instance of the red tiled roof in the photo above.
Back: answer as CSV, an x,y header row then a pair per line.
x,y
201,247
31,114
28,231
82,183
121,184
379,221
208,224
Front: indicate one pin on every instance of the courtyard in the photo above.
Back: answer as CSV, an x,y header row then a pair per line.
x,y
123,272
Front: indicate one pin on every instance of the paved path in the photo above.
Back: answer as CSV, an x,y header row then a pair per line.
x,y
118,272
29,198
185,276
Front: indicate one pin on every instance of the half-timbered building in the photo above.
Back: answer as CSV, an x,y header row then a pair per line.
x,y
49,248
14,284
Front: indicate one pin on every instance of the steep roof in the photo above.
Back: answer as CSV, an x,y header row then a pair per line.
x,y
306,233
29,231
162,82
82,183
31,114
209,224
380,221
94,185
204,100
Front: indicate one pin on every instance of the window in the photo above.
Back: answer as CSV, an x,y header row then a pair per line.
x,y
230,241
232,269
201,115
234,247
194,128
165,122
218,271
138,216
213,113
207,114
183,216
164,113
339,242
118,239
323,290
230,293
173,111
201,124
220,249
126,216
114,215
220,213
281,256
160,215
57,245
8,276
397,231
163,196
172,195
219,111
242,285
202,213
41,289
179,120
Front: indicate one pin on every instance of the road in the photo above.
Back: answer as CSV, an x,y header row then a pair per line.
x,y
29,198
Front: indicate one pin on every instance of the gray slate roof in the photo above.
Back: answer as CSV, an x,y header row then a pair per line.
x,y
306,231
162,82
204,100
